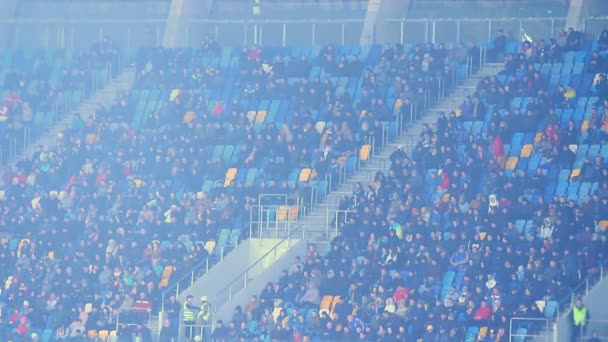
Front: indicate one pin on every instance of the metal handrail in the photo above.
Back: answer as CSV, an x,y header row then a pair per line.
x,y
175,285
276,21
397,20
513,335
238,279
586,284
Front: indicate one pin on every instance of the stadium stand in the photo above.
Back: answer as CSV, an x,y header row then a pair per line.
x,y
466,232
94,229
133,197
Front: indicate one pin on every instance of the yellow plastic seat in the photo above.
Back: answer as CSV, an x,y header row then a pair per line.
x,y
103,334
261,116
575,173
483,331
282,213
538,137
164,281
334,302
585,126
325,305
230,176
364,152
540,304
603,225
293,213
526,151
482,235
305,175
287,213
92,333
511,163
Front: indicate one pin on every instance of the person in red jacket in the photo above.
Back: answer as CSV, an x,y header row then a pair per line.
x,y
483,313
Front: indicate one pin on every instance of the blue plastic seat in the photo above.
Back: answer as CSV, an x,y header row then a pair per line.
x,y
564,175
550,309
561,188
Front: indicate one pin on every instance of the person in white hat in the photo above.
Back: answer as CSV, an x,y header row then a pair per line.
x,y
204,313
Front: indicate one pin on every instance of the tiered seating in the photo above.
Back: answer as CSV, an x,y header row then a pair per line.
x,y
468,221
38,86
131,187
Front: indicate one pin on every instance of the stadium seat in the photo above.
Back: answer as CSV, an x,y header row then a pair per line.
x,y
551,309
325,305
526,151
230,176
511,163
364,152
305,175
166,276
103,334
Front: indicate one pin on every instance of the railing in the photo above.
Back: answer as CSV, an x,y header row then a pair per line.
x,y
593,326
272,221
133,316
582,289
243,280
536,329
271,32
79,33
434,30
200,328
18,139
187,279
137,33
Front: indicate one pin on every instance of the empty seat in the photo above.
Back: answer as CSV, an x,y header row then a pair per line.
x,y
103,334
230,175
325,304
526,151
551,309
166,276
511,163
305,174
364,152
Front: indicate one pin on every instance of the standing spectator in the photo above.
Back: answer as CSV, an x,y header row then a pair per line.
x,y
499,46
579,318
188,316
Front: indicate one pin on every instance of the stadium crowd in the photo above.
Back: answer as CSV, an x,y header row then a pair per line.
x,y
85,222
432,247
89,225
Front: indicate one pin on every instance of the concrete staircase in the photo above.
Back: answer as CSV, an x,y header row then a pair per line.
x,y
105,96
315,224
